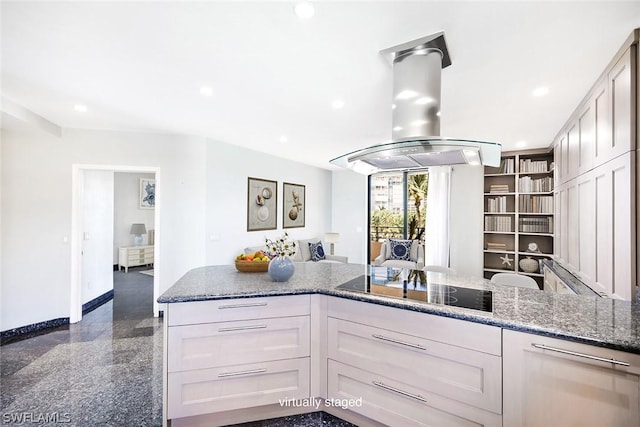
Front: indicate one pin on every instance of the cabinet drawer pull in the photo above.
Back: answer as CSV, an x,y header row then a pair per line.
x,y
395,341
235,374
241,328
253,304
586,356
397,390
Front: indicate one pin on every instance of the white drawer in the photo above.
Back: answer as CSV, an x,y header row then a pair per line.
x,y
468,376
224,310
235,387
461,333
231,343
394,403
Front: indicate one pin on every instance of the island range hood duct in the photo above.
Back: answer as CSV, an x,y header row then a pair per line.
x,y
416,141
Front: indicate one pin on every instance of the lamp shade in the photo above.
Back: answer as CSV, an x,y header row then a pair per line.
x,y
332,237
138,229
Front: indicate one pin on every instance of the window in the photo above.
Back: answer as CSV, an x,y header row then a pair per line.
x,y
397,207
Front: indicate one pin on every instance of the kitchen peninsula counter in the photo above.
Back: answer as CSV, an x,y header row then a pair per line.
x,y
597,321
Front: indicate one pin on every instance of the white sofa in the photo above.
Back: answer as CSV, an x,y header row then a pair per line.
x,y
416,261
303,254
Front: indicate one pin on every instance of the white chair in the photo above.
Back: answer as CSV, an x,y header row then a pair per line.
x,y
439,269
416,257
513,279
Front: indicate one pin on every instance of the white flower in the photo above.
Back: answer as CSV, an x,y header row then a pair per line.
x,y
281,246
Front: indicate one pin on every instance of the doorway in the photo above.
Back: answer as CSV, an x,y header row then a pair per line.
x,y
80,198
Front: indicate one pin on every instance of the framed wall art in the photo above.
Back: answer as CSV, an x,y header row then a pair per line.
x,y
262,207
147,193
293,201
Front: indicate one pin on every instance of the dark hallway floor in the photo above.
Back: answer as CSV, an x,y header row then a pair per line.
x,y
105,370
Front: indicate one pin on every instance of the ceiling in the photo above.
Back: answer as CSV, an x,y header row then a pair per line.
x,y
141,65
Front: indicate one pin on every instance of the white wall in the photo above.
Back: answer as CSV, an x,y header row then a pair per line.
x,y
127,210
228,168
36,210
465,234
97,239
202,198
349,214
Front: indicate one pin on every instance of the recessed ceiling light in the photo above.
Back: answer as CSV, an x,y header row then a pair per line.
x,y
424,100
80,108
393,106
397,128
304,10
206,91
337,104
283,139
418,122
521,144
540,91
406,94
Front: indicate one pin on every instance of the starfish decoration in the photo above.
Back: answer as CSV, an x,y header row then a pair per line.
x,y
506,260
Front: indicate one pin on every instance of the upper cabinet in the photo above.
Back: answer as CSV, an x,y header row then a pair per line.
x,y
603,126
596,181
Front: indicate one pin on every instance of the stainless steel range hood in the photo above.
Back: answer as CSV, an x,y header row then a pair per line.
x,y
416,141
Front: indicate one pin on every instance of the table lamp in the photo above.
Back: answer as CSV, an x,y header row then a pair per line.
x,y
332,238
138,230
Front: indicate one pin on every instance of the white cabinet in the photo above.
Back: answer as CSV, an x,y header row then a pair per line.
x,y
596,231
134,256
602,128
553,382
413,368
238,353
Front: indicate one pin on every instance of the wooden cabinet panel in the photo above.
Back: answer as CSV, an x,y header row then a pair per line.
x,y
572,230
586,136
467,376
395,403
624,227
474,336
602,140
238,309
239,386
586,227
230,343
621,105
560,383
573,154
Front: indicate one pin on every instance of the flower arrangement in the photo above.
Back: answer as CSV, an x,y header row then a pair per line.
x,y
281,247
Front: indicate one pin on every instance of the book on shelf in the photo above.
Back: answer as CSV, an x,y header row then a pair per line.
x,y
499,188
496,246
536,225
507,166
526,184
497,204
533,166
535,204
498,223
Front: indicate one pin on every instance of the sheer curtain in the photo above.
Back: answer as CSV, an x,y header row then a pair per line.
x,y
437,223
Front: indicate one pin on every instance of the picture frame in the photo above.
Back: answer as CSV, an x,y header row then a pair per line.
x,y
293,205
147,193
262,204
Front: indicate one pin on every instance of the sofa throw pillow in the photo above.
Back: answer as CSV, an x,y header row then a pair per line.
x,y
317,251
401,249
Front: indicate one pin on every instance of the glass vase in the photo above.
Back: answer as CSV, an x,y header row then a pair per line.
x,y
281,268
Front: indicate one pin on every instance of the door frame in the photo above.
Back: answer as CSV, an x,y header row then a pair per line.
x,y
77,200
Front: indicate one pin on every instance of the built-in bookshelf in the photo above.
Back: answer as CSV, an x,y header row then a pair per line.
x,y
518,212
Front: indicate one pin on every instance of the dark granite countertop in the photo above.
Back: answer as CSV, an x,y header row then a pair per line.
x,y
592,320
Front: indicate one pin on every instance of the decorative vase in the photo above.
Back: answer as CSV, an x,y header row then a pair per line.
x,y
281,268
529,265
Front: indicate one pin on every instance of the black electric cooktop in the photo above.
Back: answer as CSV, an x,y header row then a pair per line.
x,y
410,284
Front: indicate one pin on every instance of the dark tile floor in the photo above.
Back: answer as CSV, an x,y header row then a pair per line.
x,y
103,371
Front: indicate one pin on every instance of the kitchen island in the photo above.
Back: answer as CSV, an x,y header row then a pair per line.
x,y
237,345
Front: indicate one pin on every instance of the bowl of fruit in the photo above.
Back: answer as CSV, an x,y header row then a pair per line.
x,y
252,263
